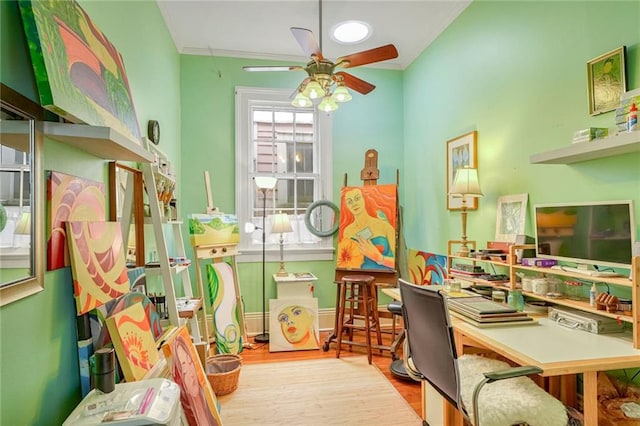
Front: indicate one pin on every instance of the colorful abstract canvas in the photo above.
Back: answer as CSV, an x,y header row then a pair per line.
x,y
199,403
69,198
426,268
97,263
133,342
293,324
367,231
227,318
80,75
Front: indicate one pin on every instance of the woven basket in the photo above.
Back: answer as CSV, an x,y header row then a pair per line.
x,y
223,371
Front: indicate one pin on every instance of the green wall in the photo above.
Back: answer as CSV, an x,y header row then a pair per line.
x,y
208,135
39,382
513,71
516,73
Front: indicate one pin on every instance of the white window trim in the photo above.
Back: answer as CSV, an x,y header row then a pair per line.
x,y
248,252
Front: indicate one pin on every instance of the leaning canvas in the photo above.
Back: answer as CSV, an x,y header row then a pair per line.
x,y
196,394
98,266
80,75
293,324
133,341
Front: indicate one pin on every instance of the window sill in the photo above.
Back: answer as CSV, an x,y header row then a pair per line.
x,y
290,255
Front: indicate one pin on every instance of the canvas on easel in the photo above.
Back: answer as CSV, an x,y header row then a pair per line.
x,y
367,231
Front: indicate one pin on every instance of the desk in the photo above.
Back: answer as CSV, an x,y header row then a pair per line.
x,y
557,350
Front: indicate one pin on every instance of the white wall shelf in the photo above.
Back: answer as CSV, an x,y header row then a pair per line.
x,y
103,142
622,143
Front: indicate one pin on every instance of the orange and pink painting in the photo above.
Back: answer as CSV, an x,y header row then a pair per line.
x,y
69,198
367,230
196,394
133,341
97,263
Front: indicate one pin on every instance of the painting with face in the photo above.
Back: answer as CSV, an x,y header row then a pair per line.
x,y
367,231
293,324
196,394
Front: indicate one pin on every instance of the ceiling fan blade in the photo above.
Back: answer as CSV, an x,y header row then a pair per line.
x,y
354,83
274,68
365,57
307,41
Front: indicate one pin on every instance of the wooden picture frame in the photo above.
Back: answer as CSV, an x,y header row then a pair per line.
x,y
511,216
461,152
606,81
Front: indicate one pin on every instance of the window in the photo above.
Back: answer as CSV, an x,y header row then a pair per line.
x,y
275,139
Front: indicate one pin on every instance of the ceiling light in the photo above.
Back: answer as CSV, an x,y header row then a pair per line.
x,y
351,32
341,94
301,101
328,104
313,90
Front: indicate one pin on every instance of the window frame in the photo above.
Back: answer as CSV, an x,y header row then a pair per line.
x,y
245,99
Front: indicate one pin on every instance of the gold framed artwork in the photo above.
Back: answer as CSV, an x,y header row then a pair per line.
x,y
461,152
606,80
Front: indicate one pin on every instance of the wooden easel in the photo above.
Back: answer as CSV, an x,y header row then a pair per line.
x,y
369,175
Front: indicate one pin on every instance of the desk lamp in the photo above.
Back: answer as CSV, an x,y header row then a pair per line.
x,y
264,183
280,224
465,184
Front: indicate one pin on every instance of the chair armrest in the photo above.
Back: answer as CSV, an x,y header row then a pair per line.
x,y
395,307
524,370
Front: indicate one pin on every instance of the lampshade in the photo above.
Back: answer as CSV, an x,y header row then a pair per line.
x,y
265,182
23,227
314,90
301,101
280,223
341,94
466,183
328,104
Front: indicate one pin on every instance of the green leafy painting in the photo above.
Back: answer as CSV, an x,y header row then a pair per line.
x,y
80,75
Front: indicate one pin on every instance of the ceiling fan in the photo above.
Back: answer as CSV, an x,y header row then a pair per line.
x,y
322,74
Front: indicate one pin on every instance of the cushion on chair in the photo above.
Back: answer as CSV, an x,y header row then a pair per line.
x,y
509,401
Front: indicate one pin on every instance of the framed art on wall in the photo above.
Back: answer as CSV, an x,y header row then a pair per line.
x,y
461,152
511,216
606,80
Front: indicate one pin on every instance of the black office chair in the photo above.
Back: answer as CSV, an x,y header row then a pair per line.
x,y
430,354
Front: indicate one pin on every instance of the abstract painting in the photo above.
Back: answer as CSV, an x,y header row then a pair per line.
x,y
69,198
227,318
97,263
133,341
199,403
427,268
511,217
367,231
80,75
293,324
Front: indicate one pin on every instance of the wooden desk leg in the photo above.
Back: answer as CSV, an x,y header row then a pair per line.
x,y
590,399
568,390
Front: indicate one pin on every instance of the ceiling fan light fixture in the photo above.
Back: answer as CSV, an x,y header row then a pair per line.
x,y
313,90
328,104
301,101
341,94
350,32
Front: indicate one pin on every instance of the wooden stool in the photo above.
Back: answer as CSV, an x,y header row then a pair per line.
x,y
357,301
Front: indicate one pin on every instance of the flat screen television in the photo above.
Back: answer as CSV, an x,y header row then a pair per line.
x,y
598,233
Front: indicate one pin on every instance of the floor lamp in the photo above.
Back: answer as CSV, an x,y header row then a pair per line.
x,y
465,184
264,183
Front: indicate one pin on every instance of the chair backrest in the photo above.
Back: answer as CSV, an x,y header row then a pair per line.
x,y
430,338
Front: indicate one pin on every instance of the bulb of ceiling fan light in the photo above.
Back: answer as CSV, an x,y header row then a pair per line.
x,y
328,104
341,94
301,101
313,90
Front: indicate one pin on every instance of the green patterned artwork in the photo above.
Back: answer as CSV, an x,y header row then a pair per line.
x,y
224,304
80,75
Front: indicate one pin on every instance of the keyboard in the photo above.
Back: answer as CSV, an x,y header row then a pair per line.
x,y
587,272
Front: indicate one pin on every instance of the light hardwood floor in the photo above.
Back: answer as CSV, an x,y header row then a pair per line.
x,y
410,391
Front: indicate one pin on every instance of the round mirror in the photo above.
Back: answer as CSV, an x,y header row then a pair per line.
x,y
321,218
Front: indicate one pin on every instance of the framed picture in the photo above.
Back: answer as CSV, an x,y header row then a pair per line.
x,y
512,213
461,152
607,81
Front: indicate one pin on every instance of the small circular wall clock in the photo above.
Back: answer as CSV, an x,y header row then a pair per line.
x,y
153,131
